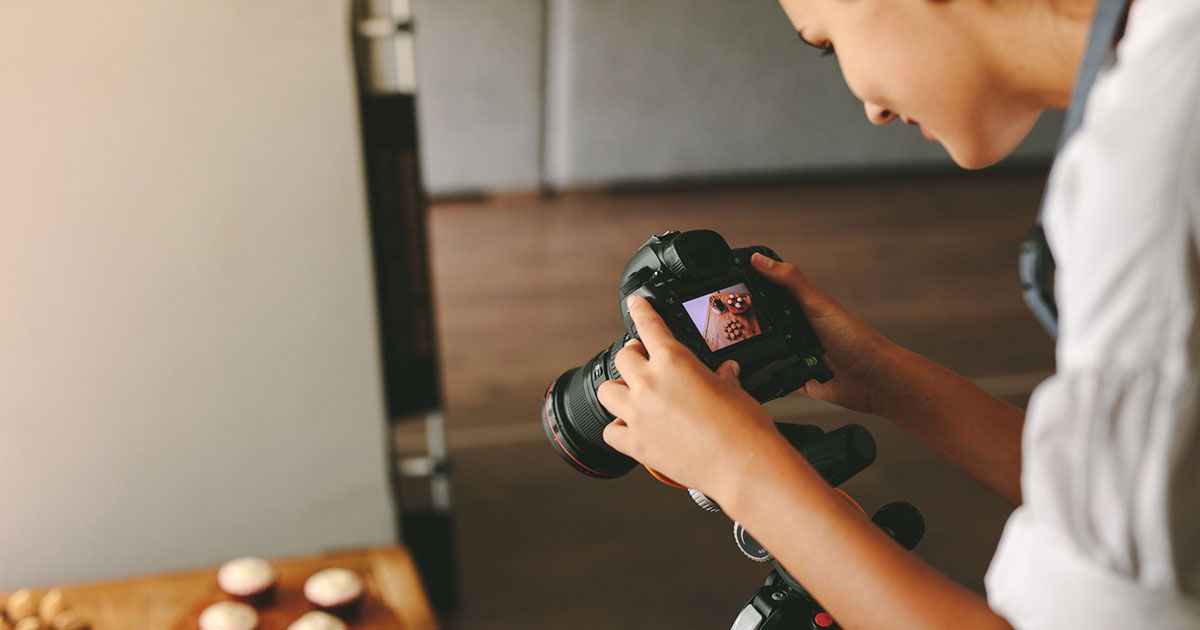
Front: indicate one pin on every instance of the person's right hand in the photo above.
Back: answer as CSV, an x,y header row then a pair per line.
x,y
853,349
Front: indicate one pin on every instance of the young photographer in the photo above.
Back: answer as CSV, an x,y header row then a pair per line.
x,y
1104,467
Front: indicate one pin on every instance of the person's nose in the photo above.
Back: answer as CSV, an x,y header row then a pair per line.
x,y
879,115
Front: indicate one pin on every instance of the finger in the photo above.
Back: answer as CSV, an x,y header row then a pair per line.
x,y
650,326
631,359
614,395
616,434
729,372
782,273
789,276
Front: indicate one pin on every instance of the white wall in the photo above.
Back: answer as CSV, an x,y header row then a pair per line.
x,y
644,91
188,356
479,71
638,90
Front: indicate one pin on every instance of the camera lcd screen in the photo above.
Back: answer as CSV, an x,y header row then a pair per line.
x,y
724,317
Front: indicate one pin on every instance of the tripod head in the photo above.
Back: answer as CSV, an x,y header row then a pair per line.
x,y
782,603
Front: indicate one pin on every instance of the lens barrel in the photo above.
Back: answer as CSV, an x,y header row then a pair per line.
x,y
574,419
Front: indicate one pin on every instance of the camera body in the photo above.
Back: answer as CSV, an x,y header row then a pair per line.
x,y
715,304
720,308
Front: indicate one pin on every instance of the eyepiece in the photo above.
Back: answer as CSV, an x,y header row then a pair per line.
x,y
697,254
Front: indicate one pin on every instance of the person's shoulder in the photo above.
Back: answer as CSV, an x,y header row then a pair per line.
x,y
1147,105
1139,143
1161,36
1123,205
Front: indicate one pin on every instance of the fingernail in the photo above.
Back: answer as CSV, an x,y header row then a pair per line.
x,y
763,261
737,369
630,300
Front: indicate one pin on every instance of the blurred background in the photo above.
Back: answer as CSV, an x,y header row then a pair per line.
x,y
280,277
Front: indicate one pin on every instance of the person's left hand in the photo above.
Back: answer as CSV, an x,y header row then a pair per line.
x,y
676,416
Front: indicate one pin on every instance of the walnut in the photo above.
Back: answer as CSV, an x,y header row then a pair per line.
x,y
52,604
29,623
69,620
20,605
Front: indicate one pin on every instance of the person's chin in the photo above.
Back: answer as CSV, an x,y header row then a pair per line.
x,y
975,157
984,150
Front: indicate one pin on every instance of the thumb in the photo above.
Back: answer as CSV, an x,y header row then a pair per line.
x,y
616,434
729,372
791,278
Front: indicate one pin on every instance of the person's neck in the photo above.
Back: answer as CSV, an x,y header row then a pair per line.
x,y
1045,49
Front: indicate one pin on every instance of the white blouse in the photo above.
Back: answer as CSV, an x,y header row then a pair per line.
x,y
1109,532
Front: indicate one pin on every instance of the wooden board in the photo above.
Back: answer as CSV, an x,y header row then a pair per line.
x,y
173,601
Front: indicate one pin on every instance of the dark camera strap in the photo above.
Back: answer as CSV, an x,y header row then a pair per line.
x,y
1036,260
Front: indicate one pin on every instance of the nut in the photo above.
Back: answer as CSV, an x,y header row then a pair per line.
x,y
20,605
53,603
29,623
69,620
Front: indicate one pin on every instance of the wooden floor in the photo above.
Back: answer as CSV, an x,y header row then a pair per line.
x,y
526,289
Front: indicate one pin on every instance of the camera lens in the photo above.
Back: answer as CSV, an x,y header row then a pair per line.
x,y
574,419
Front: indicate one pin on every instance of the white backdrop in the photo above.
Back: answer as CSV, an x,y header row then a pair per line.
x,y
188,357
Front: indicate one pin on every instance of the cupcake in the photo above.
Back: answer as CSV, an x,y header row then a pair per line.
x,y
335,591
228,616
317,620
249,580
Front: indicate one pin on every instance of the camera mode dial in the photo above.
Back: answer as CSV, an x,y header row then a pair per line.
x,y
636,279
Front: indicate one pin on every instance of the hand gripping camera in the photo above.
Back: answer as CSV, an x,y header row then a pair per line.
x,y
716,305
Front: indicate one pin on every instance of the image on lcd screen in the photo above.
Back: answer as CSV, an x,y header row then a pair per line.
x,y
724,317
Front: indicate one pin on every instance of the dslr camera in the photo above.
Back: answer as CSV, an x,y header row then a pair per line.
x,y
715,304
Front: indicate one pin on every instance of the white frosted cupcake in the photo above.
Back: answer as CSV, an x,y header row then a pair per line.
x,y
228,616
335,591
249,580
317,620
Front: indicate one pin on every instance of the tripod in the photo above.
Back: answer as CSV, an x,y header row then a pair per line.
x,y
782,603
779,605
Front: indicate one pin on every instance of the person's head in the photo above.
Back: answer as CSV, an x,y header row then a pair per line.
x,y
975,74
